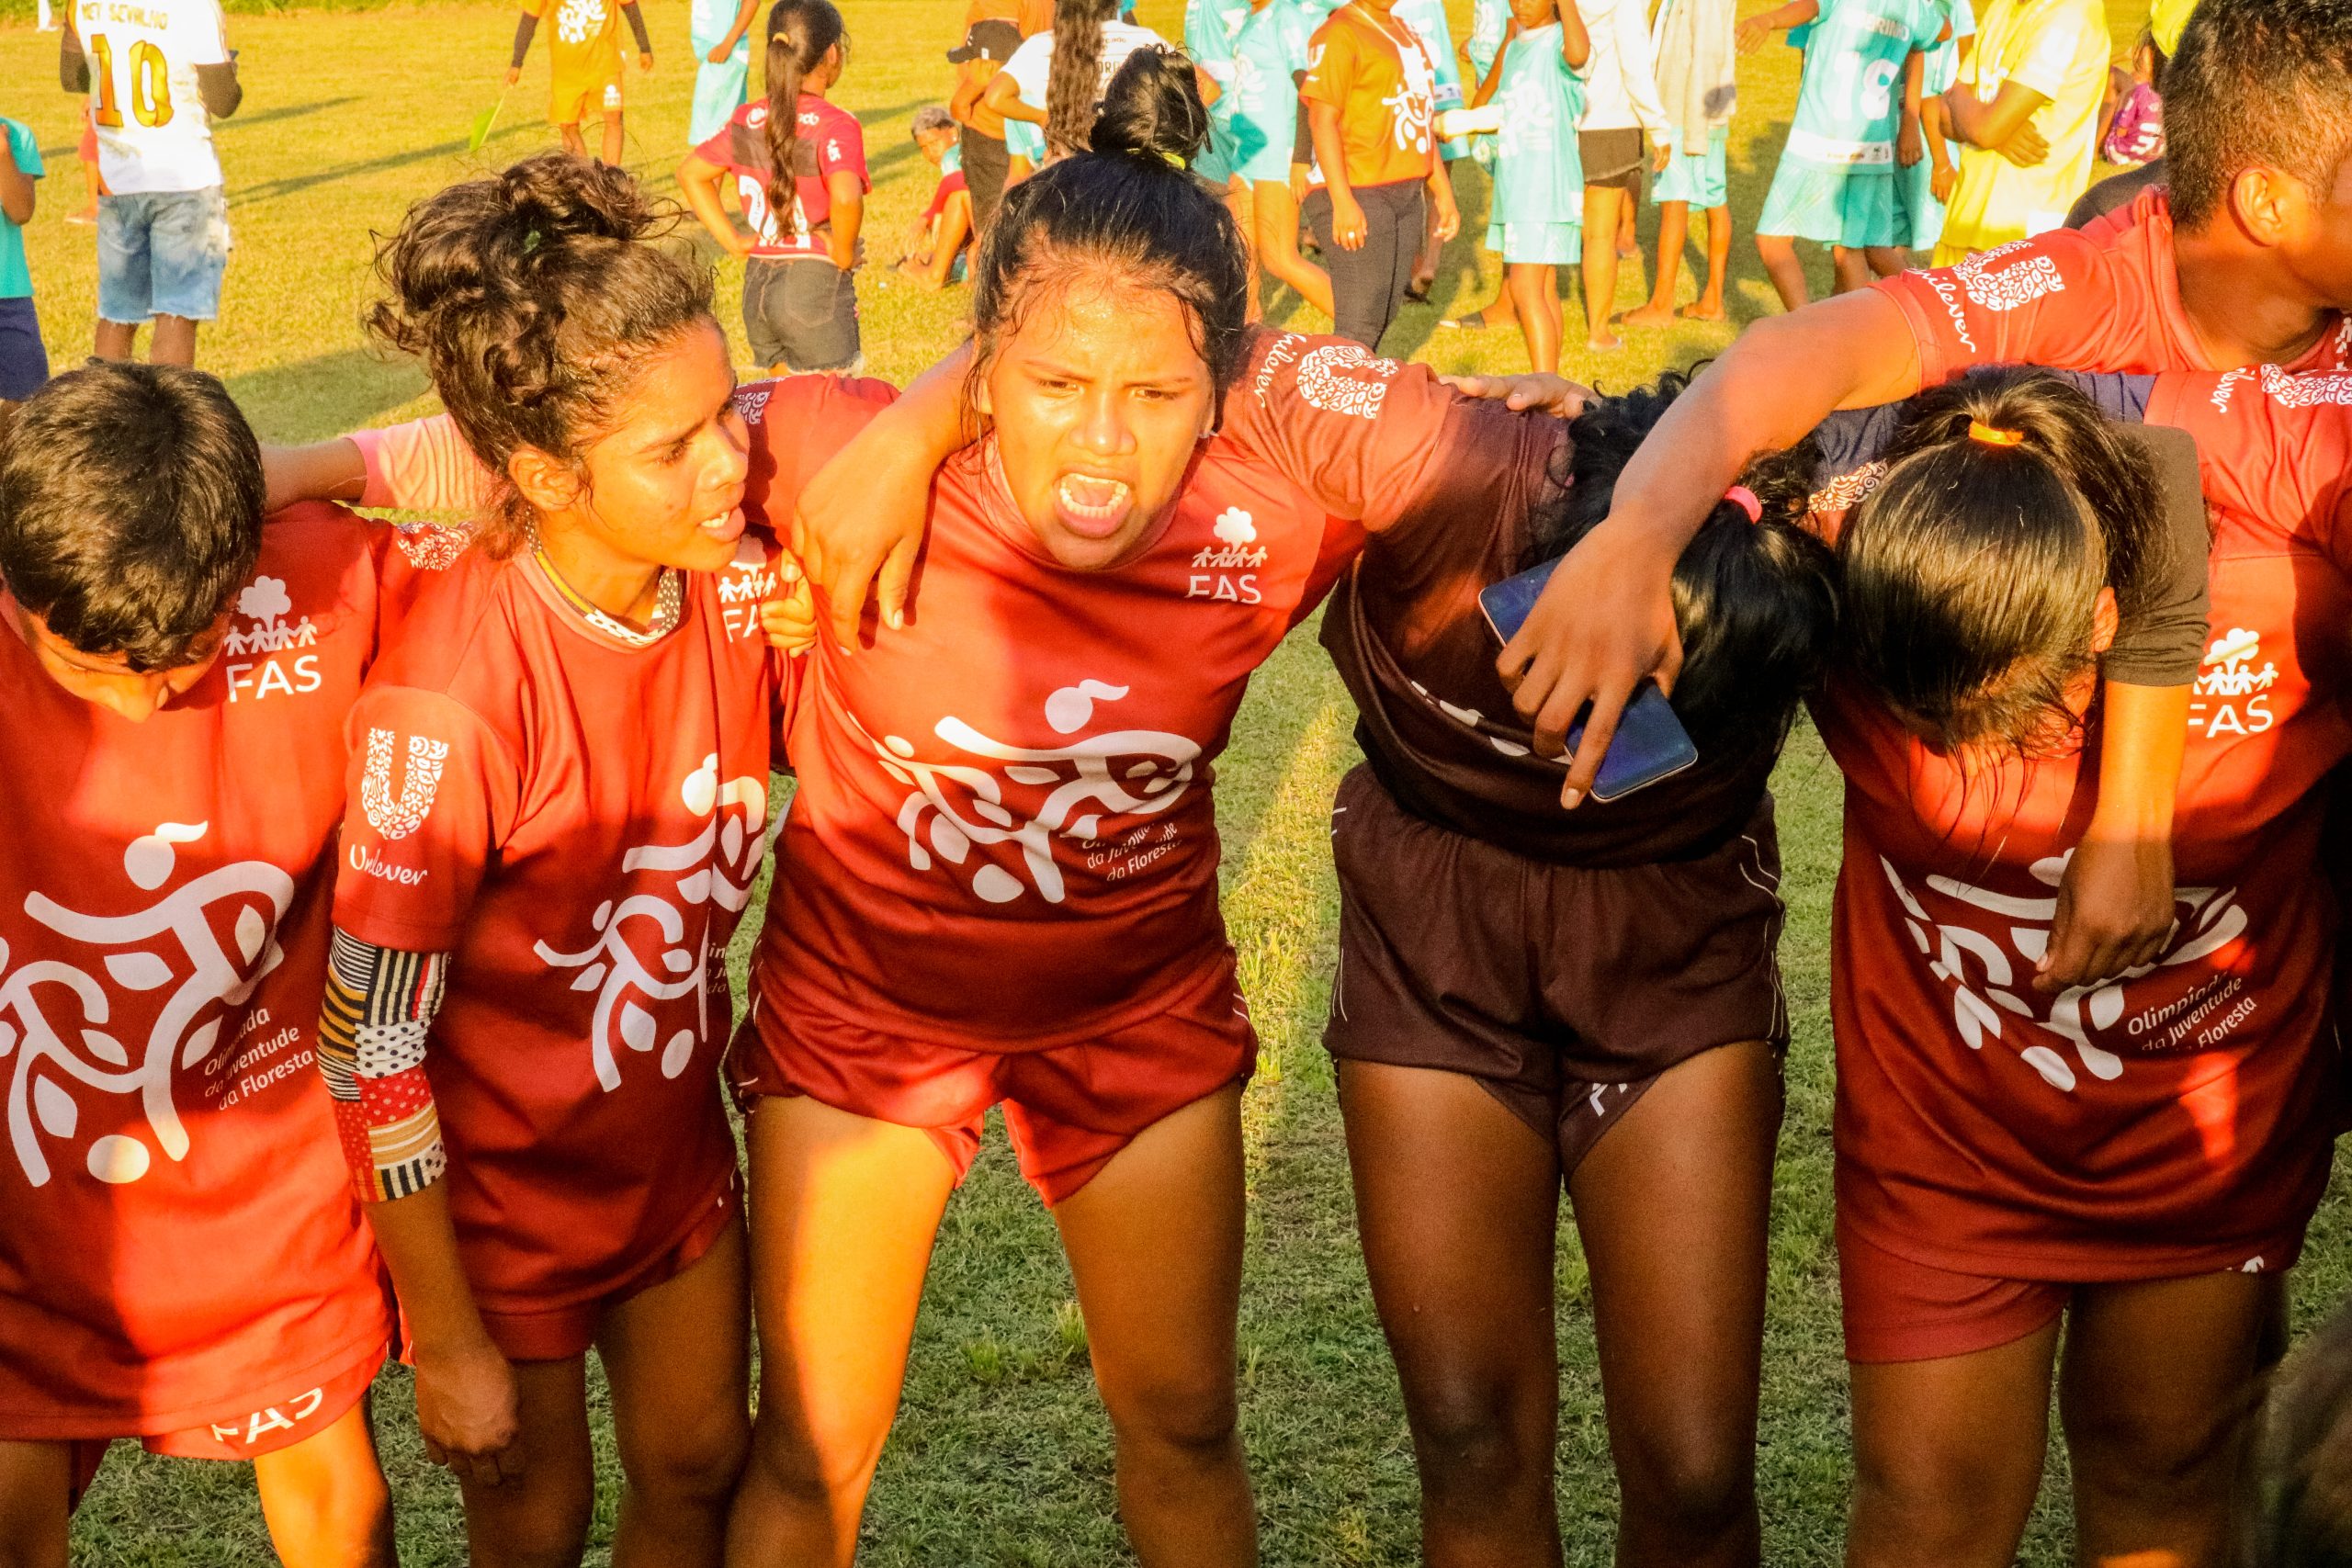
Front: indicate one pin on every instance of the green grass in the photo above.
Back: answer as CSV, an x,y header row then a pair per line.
x,y
1003,1456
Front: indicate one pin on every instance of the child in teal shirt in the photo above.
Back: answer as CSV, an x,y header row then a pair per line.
x,y
24,364
721,31
1857,126
1539,179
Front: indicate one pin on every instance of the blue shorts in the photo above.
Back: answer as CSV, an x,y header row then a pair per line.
x,y
1918,184
24,363
1696,178
1538,244
162,254
1853,205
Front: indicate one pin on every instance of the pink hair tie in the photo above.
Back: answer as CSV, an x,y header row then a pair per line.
x,y
1745,498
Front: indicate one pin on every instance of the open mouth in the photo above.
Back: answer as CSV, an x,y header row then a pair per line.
x,y
1092,506
726,527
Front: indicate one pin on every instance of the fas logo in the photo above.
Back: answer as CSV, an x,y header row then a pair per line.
x,y
2231,695
262,627
1228,568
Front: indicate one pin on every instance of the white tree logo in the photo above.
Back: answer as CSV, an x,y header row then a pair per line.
x,y
398,816
712,873
59,1019
265,602
579,20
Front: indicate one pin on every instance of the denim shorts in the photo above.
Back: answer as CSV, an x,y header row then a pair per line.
x,y
162,254
24,364
801,312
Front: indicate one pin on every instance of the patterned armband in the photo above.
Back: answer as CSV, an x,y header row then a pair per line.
x,y
380,1006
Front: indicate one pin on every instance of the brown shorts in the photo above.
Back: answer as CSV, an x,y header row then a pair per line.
x,y
1564,990
1612,158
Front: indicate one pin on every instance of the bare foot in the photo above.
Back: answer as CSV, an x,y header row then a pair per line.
x,y
1650,315
1703,310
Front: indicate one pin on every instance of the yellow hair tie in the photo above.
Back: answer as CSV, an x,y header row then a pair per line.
x,y
1980,431
1176,161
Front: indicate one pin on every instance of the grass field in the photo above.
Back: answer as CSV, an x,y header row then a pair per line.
x,y
1001,1456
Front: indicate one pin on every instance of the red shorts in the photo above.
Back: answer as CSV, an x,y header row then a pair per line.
x,y
1068,1108
282,1423
1897,1309
557,1334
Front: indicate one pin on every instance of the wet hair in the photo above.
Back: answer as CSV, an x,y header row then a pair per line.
x,y
131,509
1128,212
801,32
534,297
1755,602
2257,82
1970,576
2296,1507
1074,74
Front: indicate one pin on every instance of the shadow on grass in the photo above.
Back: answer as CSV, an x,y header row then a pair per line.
x,y
294,185
325,395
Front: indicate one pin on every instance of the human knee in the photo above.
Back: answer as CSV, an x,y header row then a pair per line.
x,y
547,1531
699,1463
2158,1457
1196,1417
1694,1481
1474,1441
811,1468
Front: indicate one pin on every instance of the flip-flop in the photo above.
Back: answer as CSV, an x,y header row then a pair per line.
x,y
1418,293
1473,323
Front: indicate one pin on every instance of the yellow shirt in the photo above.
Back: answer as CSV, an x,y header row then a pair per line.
x,y
2059,48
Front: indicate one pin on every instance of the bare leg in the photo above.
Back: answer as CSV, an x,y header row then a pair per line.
x,y
116,340
1155,1246
1850,269
1778,253
1628,242
1534,290
324,1499
36,1485
89,210
573,141
1886,261
678,1359
1457,1201
1673,1204
1709,306
2157,1379
539,1519
844,1212
955,229
614,145
1278,255
173,342
1601,205
1238,201
1673,218
1948,1456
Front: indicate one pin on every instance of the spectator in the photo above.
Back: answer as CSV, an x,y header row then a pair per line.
x,y
1692,43
2026,112
163,217
24,364
1621,102
2135,129
994,31
936,240
584,66
722,33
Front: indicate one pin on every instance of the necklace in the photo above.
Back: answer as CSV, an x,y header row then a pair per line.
x,y
668,602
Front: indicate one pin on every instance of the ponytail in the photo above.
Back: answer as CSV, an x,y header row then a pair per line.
x,y
1755,599
800,33
1074,77
1971,572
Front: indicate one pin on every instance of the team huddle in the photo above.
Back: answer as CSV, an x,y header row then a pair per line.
x,y
364,909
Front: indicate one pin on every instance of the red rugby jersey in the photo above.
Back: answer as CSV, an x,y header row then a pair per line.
x,y
578,822
2174,1122
178,1245
2103,298
1005,837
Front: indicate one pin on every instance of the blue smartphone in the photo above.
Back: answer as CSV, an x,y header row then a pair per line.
x,y
1650,743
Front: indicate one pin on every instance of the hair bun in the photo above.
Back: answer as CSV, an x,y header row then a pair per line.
x,y
560,196
1152,109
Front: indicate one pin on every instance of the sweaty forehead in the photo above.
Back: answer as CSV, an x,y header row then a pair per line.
x,y
1107,325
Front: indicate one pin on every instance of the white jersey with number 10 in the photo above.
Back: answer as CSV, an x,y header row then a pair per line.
x,y
153,134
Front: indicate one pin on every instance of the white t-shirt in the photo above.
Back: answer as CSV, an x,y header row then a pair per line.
x,y
153,134
1620,88
1032,63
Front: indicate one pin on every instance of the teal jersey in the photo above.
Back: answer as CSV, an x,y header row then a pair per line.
x,y
707,25
1538,177
952,161
1849,102
1488,19
1271,47
1943,60
1023,140
1210,27
1427,17
15,277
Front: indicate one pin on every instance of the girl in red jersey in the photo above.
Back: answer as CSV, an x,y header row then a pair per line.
x,y
526,999
179,1265
798,164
